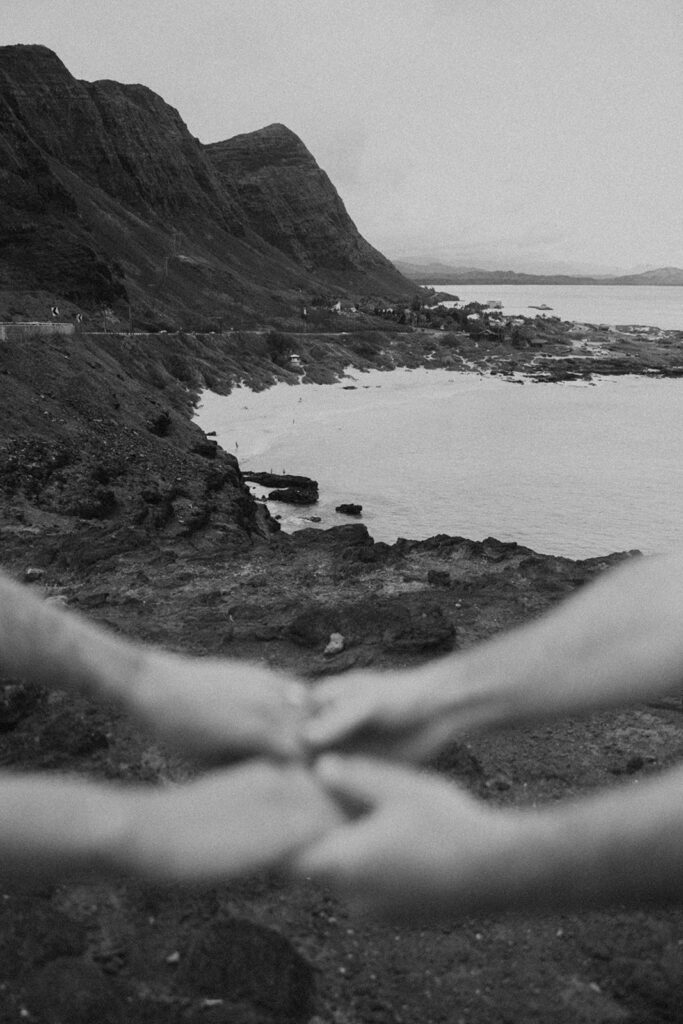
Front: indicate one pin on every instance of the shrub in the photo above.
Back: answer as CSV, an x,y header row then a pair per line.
x,y
279,347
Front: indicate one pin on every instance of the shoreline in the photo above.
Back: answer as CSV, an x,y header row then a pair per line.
x,y
361,455
127,513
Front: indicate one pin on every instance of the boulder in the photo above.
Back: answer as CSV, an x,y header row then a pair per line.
x,y
32,574
295,495
249,966
349,509
281,480
207,449
335,644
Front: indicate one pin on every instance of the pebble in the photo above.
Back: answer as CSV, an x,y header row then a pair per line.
x,y
335,644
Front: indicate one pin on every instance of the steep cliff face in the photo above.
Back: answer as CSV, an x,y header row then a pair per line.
x,y
42,243
106,197
290,201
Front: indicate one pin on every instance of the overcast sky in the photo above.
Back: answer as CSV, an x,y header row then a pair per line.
x,y
502,133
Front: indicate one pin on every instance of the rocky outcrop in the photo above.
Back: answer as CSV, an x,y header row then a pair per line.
x,y
290,489
93,449
107,198
295,495
282,480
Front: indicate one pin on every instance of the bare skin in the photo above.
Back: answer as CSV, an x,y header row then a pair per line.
x,y
415,846
226,824
220,826
419,849
216,710
614,642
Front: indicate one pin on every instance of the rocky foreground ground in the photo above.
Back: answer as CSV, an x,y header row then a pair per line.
x,y
113,501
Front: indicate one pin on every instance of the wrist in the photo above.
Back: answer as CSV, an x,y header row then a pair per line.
x,y
108,667
117,671
108,816
135,843
517,867
475,692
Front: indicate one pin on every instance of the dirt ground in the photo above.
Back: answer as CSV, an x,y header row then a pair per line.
x,y
265,951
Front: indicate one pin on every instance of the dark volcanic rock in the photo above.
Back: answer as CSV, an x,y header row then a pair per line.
x,y
341,538
439,578
247,964
17,701
349,509
396,624
73,990
281,480
33,933
207,449
295,496
73,735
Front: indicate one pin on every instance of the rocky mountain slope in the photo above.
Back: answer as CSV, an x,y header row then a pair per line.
x,y
106,198
292,204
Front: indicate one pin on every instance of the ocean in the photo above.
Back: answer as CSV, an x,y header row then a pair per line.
x,y
571,469
647,305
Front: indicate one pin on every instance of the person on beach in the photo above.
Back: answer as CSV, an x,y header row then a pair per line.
x,y
417,847
226,823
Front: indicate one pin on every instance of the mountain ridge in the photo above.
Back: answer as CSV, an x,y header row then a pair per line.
x,y
108,199
440,273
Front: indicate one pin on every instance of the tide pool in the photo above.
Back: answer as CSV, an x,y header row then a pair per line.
x,y
571,469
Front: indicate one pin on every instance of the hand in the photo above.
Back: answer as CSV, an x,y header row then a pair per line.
x,y
224,825
396,714
421,848
220,710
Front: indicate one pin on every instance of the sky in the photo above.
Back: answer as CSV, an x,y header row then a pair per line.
x,y
510,134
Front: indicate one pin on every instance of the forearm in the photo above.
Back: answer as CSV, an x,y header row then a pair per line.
x,y
223,825
46,646
217,709
617,641
53,826
624,846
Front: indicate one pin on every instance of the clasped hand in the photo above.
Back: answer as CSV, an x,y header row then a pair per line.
x,y
348,820
317,792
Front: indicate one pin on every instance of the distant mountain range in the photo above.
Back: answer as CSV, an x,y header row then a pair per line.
x,y
107,199
433,272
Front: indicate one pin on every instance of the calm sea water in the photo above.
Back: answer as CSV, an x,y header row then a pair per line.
x,y
651,305
568,469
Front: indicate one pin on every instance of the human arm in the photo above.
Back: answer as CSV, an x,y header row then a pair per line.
x,y
618,640
223,825
419,849
213,708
